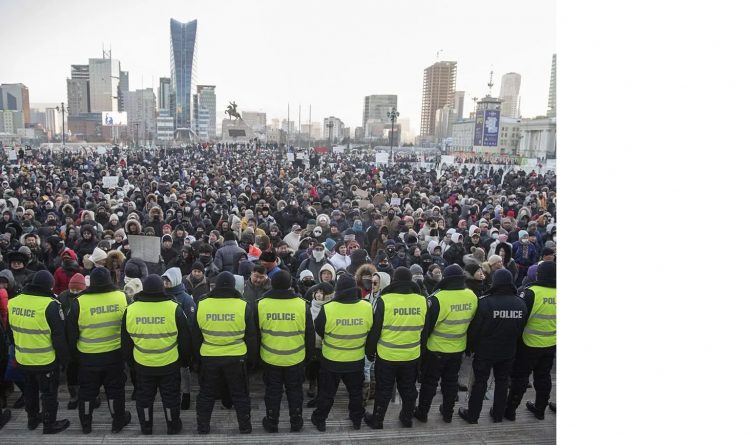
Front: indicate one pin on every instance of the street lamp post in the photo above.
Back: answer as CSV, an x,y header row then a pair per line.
x,y
392,115
62,110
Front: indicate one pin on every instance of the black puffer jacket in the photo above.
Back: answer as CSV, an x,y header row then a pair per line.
x,y
497,325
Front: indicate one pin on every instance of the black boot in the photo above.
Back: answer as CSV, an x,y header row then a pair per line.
x,y
312,403
538,412
146,419
120,417
204,424
19,403
271,421
73,390
84,415
553,407
174,423
319,423
464,414
246,426
51,424
4,418
447,415
33,421
407,412
185,405
373,422
295,419
497,418
421,413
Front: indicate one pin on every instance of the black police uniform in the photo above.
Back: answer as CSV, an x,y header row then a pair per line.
x,y
492,338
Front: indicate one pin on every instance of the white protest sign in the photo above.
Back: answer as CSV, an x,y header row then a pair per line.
x,y
147,248
449,160
381,158
109,182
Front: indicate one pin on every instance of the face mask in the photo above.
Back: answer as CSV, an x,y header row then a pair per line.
x,y
367,283
525,241
205,260
554,238
318,254
401,254
495,235
317,233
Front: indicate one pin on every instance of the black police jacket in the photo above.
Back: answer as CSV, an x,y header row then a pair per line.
x,y
498,324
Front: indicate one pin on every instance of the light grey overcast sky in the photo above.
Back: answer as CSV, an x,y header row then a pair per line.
x,y
265,54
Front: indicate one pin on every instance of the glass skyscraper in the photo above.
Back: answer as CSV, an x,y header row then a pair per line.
x,y
182,64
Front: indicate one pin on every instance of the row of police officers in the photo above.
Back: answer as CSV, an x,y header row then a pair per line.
x,y
409,337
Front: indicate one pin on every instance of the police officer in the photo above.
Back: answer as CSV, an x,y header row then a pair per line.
x,y
5,413
398,321
343,323
449,311
94,336
155,338
37,329
492,337
537,351
287,338
224,341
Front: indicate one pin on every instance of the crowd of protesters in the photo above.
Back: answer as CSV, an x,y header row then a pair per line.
x,y
248,210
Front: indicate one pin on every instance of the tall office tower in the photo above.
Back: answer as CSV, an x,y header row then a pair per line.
x,y
510,87
165,93
376,110
15,97
122,89
438,89
458,104
207,109
104,80
182,62
552,101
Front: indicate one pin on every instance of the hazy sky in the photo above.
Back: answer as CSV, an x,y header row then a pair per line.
x,y
265,54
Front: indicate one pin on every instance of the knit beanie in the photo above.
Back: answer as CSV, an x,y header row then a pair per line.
x,y
77,283
153,286
345,284
282,280
43,280
225,280
197,266
100,278
230,236
452,271
402,274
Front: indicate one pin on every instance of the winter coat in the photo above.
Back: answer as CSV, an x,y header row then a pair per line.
x,y
228,257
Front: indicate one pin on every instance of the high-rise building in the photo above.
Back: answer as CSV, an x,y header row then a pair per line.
x,y
164,126
78,90
79,72
552,101
289,126
78,96
510,86
376,111
52,122
15,97
444,117
458,104
141,108
183,65
207,109
256,120
122,87
438,89
104,82
336,132
165,93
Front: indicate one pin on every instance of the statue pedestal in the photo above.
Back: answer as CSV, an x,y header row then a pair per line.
x,y
235,130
